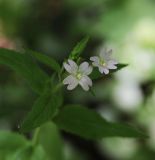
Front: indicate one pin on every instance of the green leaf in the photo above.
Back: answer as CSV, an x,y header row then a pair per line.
x,y
49,61
89,124
49,138
96,74
29,153
44,108
11,141
26,67
78,49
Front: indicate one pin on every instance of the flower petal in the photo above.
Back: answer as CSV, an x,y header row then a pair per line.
x,y
85,68
109,53
71,81
113,61
106,54
72,86
106,70
111,66
103,70
89,81
96,64
73,65
85,82
95,59
102,54
67,67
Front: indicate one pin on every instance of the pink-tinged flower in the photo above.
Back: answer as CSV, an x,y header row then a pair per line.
x,y
104,62
78,75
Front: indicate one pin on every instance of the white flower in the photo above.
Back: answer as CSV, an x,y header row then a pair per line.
x,y
104,62
78,75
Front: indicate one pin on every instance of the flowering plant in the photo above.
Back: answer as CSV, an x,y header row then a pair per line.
x,y
50,107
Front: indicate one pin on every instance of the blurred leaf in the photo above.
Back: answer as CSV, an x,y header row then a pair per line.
x,y
96,74
91,125
92,92
44,108
78,49
119,67
49,61
6,110
49,138
29,153
14,146
25,66
11,141
144,153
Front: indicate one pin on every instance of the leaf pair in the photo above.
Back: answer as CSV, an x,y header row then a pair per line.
x,y
74,119
77,120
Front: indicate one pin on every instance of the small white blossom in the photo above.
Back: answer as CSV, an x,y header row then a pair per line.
x,y
104,61
78,75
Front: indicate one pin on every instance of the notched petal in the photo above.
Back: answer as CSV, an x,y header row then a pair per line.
x,y
85,68
71,81
72,86
73,64
85,83
71,67
104,70
67,67
113,61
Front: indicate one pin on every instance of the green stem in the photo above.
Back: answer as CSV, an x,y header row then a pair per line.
x,y
92,92
57,87
36,136
59,75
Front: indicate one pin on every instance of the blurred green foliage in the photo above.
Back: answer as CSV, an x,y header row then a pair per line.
x,y
53,27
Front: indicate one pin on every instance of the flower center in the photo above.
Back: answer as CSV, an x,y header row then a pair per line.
x,y
102,62
79,75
